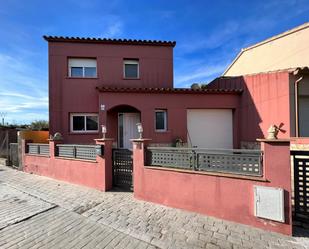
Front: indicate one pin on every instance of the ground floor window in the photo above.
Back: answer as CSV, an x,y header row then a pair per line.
x,y
84,122
161,120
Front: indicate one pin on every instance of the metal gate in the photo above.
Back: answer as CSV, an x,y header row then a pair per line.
x,y
301,186
14,154
122,169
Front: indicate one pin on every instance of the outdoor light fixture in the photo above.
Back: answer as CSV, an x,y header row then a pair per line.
x,y
140,130
103,130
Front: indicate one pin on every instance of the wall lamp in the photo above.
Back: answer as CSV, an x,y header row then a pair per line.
x,y
103,127
140,130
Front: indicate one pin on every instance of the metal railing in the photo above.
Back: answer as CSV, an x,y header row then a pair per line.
x,y
38,149
86,152
241,162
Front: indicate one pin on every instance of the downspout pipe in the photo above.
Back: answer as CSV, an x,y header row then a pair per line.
x,y
296,83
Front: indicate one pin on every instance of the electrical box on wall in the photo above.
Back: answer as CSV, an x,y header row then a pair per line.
x,y
269,203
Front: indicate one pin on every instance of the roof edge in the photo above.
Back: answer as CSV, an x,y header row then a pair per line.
x,y
278,36
108,41
233,62
169,90
294,70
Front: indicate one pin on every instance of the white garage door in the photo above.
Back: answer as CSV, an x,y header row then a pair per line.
x,y
210,128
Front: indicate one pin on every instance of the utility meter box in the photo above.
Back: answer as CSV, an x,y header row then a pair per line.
x,y
269,203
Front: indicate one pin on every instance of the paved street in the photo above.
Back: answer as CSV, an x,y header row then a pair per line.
x,y
38,212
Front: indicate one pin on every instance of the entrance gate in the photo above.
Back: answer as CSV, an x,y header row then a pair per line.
x,y
301,186
123,169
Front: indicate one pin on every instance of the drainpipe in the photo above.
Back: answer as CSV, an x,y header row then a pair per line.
x,y
296,105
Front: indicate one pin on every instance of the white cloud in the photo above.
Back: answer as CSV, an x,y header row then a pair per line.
x,y
114,29
23,88
202,73
213,40
112,26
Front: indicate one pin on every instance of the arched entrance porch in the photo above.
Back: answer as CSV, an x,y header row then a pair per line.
x,y
122,120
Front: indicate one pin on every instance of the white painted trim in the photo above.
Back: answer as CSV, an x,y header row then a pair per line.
x,y
83,63
85,122
165,120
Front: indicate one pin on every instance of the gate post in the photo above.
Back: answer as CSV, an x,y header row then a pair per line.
x,y
138,164
106,161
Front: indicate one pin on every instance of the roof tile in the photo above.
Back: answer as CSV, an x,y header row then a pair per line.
x,y
109,41
166,90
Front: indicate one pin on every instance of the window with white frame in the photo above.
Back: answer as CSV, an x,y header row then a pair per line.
x,y
161,120
131,69
82,68
84,122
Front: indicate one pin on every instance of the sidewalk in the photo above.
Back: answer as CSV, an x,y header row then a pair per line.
x,y
71,216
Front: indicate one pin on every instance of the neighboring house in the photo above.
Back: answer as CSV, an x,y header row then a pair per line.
x,y
280,97
284,51
274,77
119,83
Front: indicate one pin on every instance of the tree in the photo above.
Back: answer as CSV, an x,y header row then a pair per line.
x,y
39,125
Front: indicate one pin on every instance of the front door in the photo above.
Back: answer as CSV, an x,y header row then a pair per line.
x,y
127,129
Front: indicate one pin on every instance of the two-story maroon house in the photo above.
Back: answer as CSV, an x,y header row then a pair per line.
x,y
119,83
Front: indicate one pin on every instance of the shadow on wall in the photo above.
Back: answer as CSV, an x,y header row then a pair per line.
x,y
264,101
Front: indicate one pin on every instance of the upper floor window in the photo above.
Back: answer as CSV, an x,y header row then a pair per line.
x,y
131,69
161,120
82,68
84,122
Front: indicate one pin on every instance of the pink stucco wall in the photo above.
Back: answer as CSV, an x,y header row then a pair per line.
x,y
223,197
68,95
265,101
176,105
96,174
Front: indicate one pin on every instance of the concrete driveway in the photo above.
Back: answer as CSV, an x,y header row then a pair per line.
x,y
38,212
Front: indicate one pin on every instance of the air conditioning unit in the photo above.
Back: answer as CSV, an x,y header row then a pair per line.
x,y
269,203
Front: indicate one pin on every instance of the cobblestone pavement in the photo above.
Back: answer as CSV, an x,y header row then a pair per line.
x,y
79,217
16,206
60,228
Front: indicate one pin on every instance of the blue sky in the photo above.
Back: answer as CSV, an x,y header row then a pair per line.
x,y
209,35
